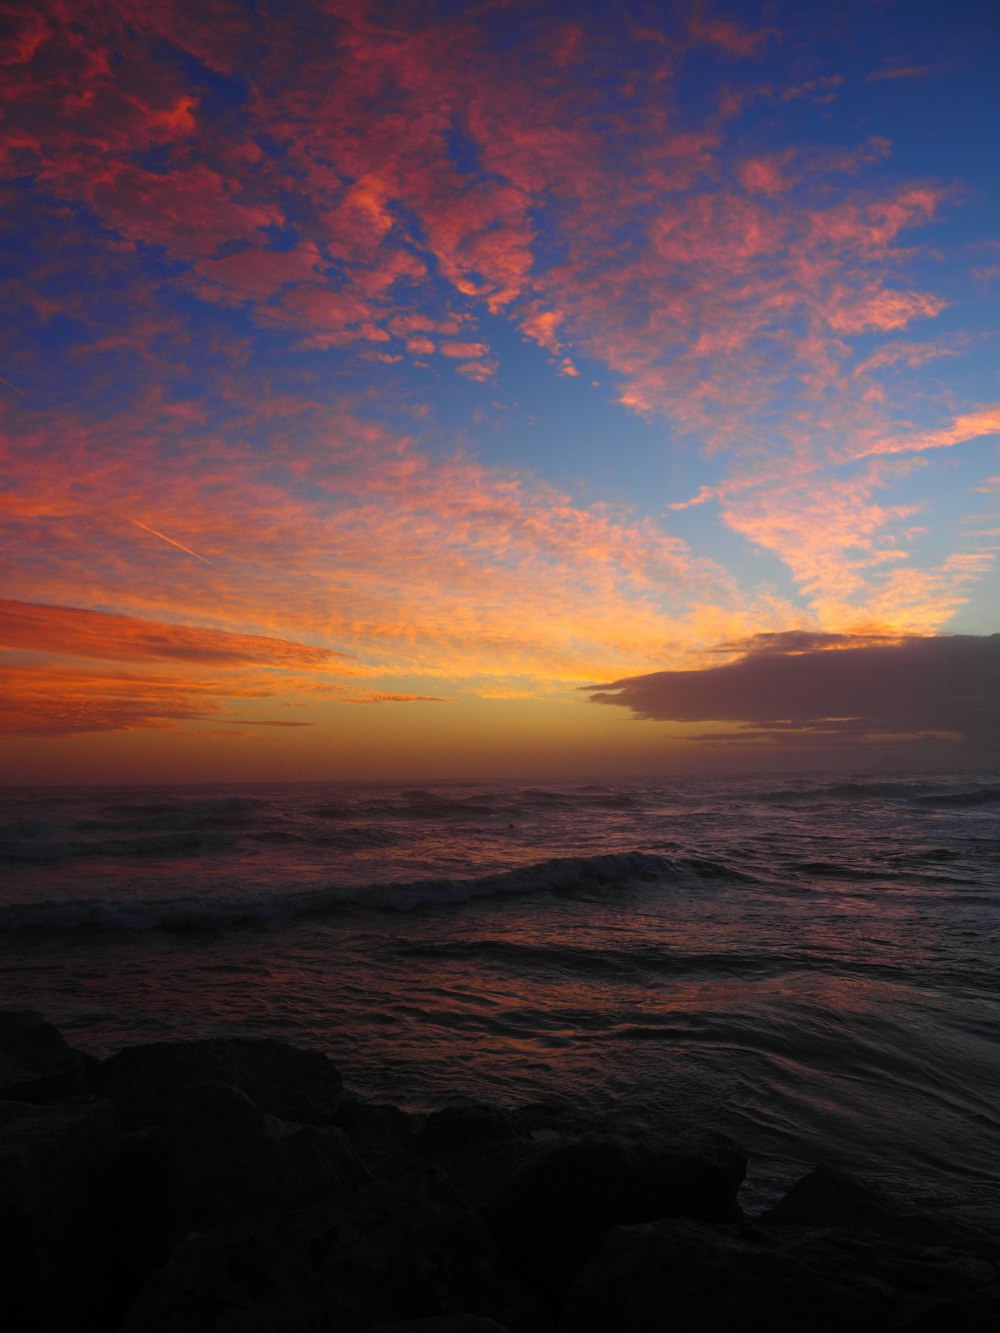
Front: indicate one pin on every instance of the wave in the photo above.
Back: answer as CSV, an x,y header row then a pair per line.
x,y
963,799
193,808
565,875
180,843
917,790
133,829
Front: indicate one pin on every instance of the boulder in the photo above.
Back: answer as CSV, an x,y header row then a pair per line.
x,y
829,1197
225,1156
465,1121
296,1085
394,1250
457,1323
36,1065
683,1274
559,1204
383,1135
59,1233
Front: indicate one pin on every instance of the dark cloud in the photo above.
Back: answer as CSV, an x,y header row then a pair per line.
x,y
825,691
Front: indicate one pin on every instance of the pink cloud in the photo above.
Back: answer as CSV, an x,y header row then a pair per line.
x,y
724,33
881,310
764,176
480,371
464,351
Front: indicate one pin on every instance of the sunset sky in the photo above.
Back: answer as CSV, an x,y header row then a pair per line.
x,y
418,389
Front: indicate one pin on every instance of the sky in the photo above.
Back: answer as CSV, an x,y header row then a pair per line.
x,y
498,389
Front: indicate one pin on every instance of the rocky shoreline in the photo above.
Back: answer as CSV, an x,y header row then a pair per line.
x,y
230,1185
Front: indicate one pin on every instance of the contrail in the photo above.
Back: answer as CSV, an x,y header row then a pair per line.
x,y
15,388
163,538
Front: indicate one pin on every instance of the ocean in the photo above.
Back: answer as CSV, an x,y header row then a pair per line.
x,y
808,964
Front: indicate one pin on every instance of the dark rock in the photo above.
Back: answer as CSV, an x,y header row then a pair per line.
x,y
59,1178
394,1250
465,1121
384,1135
828,1197
691,1275
457,1323
555,1211
481,1172
36,1065
226,1156
296,1085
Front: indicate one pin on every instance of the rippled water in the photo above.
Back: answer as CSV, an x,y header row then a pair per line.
x,y
808,964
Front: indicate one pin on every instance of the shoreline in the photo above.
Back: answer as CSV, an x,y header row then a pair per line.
x,y
231,1185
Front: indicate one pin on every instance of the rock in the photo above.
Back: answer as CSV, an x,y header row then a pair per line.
x,y
36,1065
383,1135
226,1156
394,1250
59,1178
829,1197
296,1085
690,1275
554,1212
465,1121
458,1323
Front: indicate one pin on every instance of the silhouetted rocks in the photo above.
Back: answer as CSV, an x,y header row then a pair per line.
x,y
827,1197
227,1186
227,1157
392,1249
554,1212
465,1121
35,1062
460,1323
59,1175
297,1085
384,1136
716,1278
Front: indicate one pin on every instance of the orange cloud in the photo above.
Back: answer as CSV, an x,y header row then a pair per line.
x,y
74,632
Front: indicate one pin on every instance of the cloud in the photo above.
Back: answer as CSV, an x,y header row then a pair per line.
x,y
902,72
464,351
724,33
396,699
219,217
69,701
74,632
154,675
815,691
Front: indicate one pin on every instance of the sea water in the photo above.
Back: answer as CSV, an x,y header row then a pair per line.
x,y
808,964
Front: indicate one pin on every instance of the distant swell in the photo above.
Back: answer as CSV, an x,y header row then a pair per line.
x,y
963,799
585,875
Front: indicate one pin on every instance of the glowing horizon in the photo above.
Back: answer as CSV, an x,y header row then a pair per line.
x,y
380,378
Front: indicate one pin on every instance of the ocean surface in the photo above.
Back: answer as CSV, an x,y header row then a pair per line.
x,y
808,964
